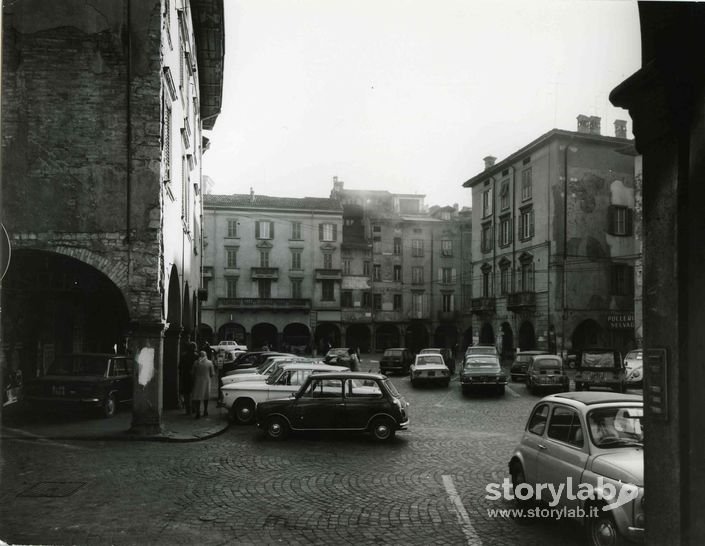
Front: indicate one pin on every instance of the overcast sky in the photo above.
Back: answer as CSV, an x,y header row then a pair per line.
x,y
407,95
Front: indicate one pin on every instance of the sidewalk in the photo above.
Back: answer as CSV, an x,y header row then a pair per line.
x,y
19,423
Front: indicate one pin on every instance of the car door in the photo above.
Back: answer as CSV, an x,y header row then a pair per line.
x,y
533,440
363,400
564,454
320,406
289,383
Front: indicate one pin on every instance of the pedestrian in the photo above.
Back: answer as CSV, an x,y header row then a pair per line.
x,y
202,373
186,361
208,349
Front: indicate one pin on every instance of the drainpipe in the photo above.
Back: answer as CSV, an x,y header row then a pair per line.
x,y
564,290
128,129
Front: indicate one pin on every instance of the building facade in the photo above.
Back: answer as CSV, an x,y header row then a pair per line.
x,y
272,270
102,145
554,251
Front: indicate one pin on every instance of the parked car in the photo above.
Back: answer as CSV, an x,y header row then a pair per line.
x,y
260,358
590,438
521,364
634,367
242,361
482,350
95,380
446,353
242,398
269,366
342,356
600,368
349,401
545,373
482,371
397,359
229,344
429,368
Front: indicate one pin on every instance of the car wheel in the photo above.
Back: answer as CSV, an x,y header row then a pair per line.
x,y
602,530
382,429
244,412
518,478
277,428
110,405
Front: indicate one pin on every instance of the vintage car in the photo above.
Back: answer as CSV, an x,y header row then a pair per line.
x,y
342,356
446,353
482,371
602,368
347,401
481,349
272,364
229,344
429,368
546,373
521,363
634,367
396,359
242,398
589,439
93,380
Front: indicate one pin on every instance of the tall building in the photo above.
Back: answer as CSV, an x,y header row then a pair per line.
x,y
103,107
554,250
272,271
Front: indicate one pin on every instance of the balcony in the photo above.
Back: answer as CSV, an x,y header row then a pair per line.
x,y
255,304
265,273
329,274
519,301
448,316
482,305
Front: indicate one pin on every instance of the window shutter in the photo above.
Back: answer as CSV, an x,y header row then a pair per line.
x,y
452,302
630,222
440,275
257,229
453,276
610,220
271,230
320,232
335,232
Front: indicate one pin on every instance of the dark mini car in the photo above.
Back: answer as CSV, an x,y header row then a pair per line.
x,y
349,401
482,372
95,380
602,368
342,356
521,364
396,359
546,373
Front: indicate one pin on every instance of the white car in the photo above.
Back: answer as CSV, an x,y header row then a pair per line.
x,y
634,367
261,373
242,398
229,344
429,368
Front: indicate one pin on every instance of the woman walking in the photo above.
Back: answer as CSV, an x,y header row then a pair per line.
x,y
202,372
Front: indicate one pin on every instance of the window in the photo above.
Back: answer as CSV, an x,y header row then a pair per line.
x,y
327,260
504,195
486,282
537,422
505,231
166,141
377,229
264,288
448,303
526,223
377,302
328,232
397,246
397,273
622,280
296,259
446,247
296,231
621,220
487,203
486,241
231,287
346,267
325,388
231,257
565,427
264,258
397,302
377,269
504,279
232,227
447,275
526,278
346,299
526,184
328,290
417,307
185,193
417,275
264,230
366,299
417,248
366,269
296,288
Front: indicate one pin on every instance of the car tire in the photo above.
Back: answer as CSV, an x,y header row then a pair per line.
x,y
110,405
518,477
244,412
602,530
382,428
277,428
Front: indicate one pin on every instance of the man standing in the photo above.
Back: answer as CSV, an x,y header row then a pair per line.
x,y
203,371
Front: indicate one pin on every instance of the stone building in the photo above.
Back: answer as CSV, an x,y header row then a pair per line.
x,y
272,270
402,271
103,107
544,278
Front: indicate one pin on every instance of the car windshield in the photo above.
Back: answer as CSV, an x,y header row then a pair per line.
x,y
423,360
392,352
79,365
523,358
274,376
430,351
599,360
548,363
617,426
391,388
472,363
482,350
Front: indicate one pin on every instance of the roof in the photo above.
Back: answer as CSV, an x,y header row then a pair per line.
x,y
256,201
209,32
349,375
618,143
313,366
589,398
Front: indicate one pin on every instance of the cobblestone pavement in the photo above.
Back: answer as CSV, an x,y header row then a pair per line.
x,y
425,487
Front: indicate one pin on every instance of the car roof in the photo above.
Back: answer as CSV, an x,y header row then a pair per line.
x,y
589,398
395,349
532,352
348,375
312,366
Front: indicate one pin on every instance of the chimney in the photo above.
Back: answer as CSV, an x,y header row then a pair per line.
x,y
489,161
583,124
620,128
252,195
594,125
337,185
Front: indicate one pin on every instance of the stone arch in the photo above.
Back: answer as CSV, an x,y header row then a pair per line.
x,y
527,336
587,334
326,333
487,334
507,348
205,333
232,331
445,336
386,335
172,340
296,338
416,336
358,336
263,334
